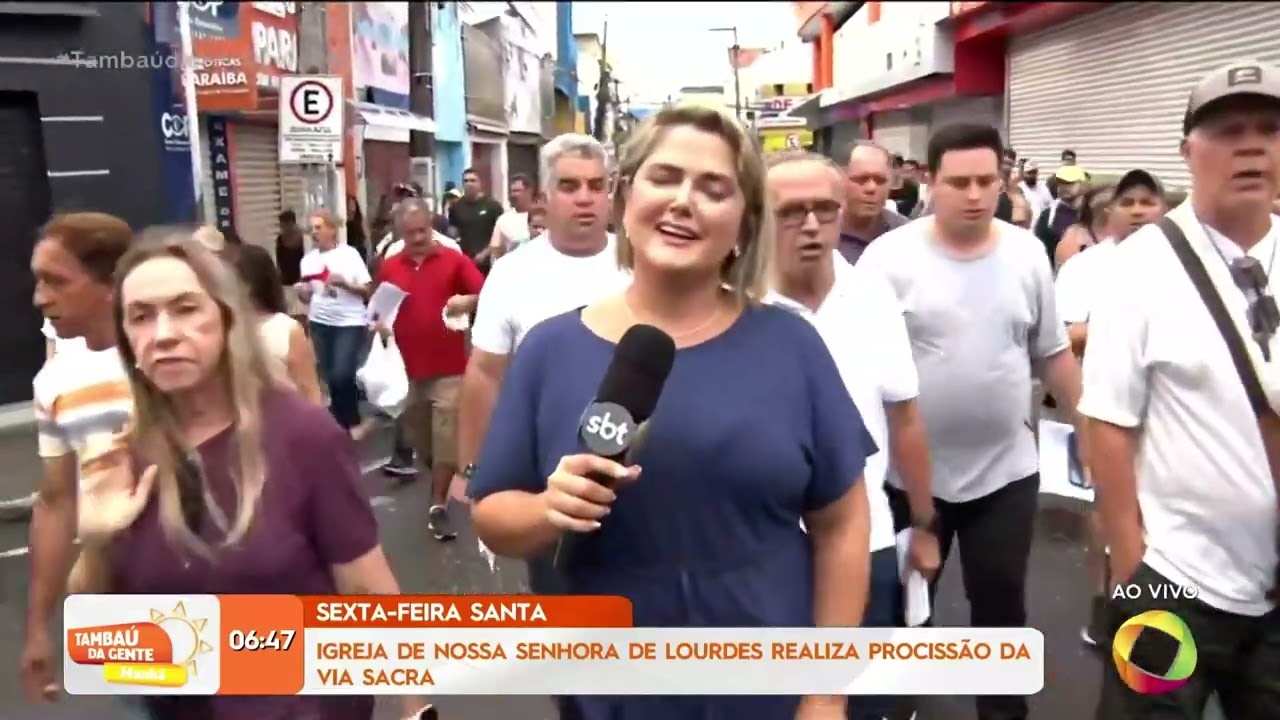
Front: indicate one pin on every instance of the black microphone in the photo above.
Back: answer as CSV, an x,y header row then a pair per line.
x,y
615,422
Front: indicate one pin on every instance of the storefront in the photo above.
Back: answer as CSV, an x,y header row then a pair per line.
x,y
902,132
1112,85
385,149
72,137
522,155
245,49
908,78
489,154
988,110
381,74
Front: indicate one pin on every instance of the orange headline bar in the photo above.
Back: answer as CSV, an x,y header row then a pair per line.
x,y
261,645
403,611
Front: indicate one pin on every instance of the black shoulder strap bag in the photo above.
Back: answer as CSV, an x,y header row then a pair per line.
x,y
1268,421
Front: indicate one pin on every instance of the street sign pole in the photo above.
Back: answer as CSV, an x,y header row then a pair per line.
x,y
187,72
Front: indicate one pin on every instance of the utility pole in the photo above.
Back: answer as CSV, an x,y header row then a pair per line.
x,y
602,132
734,53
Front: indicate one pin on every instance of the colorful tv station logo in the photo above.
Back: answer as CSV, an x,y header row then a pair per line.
x,y
153,644
1151,680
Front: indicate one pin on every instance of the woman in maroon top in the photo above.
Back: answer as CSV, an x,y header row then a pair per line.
x,y
247,487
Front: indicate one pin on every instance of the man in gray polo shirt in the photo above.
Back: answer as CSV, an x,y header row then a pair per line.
x,y
978,299
868,176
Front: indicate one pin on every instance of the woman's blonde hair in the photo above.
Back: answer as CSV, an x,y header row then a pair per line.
x,y
244,370
746,272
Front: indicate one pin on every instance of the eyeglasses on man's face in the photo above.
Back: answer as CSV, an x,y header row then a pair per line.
x,y
792,215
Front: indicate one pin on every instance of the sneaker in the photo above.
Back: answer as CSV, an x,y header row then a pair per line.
x,y
399,468
438,521
1094,634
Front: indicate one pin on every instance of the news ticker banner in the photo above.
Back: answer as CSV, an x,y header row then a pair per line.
x,y
507,645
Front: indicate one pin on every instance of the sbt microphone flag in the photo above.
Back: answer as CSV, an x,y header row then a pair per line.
x,y
508,644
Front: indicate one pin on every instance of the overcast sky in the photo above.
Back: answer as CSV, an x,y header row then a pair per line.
x,y
658,47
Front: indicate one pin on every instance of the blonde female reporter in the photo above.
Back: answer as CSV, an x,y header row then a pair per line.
x,y
753,432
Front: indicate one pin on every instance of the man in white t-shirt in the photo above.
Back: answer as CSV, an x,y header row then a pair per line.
x,y
55,344
1138,200
977,295
82,404
512,225
571,265
1185,485
856,316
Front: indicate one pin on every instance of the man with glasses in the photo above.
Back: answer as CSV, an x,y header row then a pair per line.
x,y
868,175
1181,426
855,315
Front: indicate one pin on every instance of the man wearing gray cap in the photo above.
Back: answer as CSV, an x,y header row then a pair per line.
x,y
1181,384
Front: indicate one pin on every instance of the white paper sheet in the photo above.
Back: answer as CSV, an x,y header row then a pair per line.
x,y
1058,474
384,304
915,588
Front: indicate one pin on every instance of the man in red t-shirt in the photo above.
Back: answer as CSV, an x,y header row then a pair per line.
x,y
437,279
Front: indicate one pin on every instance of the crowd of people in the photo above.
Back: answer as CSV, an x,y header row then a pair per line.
x,y
844,372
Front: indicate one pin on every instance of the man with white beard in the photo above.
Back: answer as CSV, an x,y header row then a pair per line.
x,y
856,316
570,265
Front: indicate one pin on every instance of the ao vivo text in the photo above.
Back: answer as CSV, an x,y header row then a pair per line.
x,y
1155,591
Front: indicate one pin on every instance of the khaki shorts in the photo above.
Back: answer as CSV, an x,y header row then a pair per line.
x,y
432,416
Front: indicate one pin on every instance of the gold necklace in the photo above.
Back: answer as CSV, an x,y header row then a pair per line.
x,y
715,315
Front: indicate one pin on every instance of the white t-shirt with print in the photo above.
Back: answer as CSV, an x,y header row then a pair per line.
x,y
336,306
60,344
1157,363
860,313
1079,281
82,404
538,282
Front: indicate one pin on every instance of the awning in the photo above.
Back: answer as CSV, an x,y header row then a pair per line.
x,y
475,123
810,109
393,118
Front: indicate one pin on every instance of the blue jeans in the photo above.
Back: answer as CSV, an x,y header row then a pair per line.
x,y
884,610
338,352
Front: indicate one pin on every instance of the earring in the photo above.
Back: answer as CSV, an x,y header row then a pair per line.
x,y
737,251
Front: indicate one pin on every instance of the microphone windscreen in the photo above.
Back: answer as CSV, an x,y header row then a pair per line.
x,y
640,366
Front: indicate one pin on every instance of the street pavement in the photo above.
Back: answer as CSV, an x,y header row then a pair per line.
x,y
1056,601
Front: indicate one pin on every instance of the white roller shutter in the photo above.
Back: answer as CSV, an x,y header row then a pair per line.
x,y
895,131
987,109
1112,85
257,184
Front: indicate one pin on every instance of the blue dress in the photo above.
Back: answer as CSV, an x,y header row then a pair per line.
x,y
753,430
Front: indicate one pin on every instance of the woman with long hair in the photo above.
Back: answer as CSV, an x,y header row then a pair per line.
x,y
288,349
356,235
753,434
229,483
1091,227
335,283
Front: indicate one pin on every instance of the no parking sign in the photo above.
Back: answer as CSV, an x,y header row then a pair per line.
x,y
311,113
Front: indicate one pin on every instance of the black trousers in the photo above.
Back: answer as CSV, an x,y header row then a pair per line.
x,y
994,534
1238,658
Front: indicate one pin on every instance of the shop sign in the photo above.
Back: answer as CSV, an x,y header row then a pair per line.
x,y
220,170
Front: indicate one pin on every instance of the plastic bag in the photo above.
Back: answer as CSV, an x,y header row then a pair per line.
x,y
383,378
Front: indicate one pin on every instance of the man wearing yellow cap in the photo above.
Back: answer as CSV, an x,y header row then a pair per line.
x,y
1064,211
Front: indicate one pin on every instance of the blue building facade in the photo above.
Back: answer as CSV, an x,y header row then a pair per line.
x,y
452,146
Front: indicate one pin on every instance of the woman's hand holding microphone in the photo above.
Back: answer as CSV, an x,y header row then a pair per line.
x,y
576,503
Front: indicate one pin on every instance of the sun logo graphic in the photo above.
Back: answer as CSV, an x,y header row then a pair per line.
x,y
1153,629
166,648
